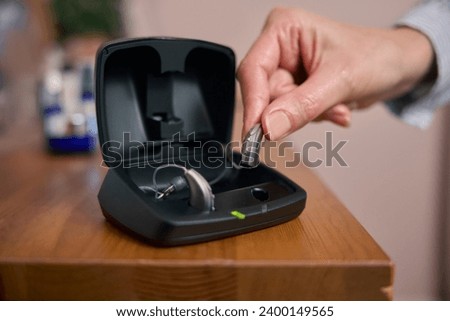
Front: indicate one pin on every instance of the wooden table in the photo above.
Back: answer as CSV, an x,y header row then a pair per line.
x,y
56,245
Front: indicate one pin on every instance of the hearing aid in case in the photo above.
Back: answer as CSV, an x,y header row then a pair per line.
x,y
162,103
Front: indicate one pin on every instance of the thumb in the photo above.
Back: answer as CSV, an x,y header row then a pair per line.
x,y
295,109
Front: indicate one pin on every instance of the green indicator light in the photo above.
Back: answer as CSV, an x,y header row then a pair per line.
x,y
238,214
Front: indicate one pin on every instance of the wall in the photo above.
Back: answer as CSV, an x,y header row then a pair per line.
x,y
392,183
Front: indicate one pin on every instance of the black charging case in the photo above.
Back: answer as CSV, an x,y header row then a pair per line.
x,y
164,100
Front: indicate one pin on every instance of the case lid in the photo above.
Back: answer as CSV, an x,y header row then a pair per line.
x,y
156,90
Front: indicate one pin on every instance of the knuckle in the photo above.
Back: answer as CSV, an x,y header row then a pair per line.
x,y
282,15
242,69
277,11
307,109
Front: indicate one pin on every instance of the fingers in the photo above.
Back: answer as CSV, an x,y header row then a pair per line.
x,y
253,75
295,109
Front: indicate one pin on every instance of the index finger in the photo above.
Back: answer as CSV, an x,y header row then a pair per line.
x,y
253,74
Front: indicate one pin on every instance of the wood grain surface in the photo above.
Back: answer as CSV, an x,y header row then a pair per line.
x,y
56,245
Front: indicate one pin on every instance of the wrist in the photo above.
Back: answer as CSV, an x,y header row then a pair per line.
x,y
416,60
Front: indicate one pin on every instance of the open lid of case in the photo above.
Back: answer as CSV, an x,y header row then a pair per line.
x,y
155,90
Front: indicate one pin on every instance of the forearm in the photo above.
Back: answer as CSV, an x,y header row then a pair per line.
x,y
432,18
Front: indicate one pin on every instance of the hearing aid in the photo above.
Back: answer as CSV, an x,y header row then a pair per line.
x,y
201,196
200,193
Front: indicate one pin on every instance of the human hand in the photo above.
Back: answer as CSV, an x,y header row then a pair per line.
x,y
304,67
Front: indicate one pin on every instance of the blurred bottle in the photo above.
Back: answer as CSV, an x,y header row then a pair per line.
x,y
67,105
50,96
88,100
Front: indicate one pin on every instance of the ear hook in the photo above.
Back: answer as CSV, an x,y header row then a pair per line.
x,y
176,183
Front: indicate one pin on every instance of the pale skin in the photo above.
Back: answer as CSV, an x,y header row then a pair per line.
x,y
304,67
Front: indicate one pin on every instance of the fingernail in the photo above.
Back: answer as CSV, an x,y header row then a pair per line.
x,y
278,125
342,120
347,120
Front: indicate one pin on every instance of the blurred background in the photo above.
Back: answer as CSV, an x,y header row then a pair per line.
x,y
397,183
